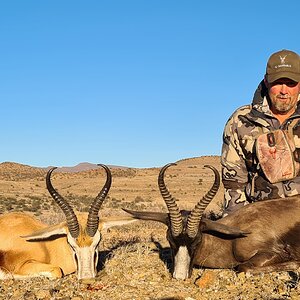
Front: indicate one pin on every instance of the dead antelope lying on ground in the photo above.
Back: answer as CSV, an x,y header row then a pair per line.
x,y
29,248
260,237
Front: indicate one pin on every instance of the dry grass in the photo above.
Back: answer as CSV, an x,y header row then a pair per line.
x,y
23,188
135,264
135,260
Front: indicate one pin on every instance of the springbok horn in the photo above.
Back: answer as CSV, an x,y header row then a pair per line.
x,y
196,214
71,218
175,216
93,219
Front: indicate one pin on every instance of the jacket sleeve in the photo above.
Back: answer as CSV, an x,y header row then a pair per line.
x,y
234,170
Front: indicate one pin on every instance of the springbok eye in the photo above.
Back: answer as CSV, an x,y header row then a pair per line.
x,y
72,247
75,258
95,256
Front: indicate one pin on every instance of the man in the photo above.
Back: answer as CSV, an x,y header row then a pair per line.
x,y
261,142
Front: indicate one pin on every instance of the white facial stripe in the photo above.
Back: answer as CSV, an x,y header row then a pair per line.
x,y
182,262
86,264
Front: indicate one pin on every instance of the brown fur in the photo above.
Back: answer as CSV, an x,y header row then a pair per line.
x,y
273,239
83,239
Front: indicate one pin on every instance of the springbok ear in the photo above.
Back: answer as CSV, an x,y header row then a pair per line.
x,y
207,225
149,215
108,222
48,232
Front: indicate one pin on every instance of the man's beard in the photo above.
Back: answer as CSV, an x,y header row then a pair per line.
x,y
281,106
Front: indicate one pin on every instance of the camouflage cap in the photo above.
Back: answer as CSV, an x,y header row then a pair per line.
x,y
283,64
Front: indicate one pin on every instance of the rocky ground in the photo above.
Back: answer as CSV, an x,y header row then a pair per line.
x,y
135,260
137,266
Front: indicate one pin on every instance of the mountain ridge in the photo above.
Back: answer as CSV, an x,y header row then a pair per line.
x,y
80,167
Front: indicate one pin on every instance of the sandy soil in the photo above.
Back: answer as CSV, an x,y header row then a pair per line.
x,y
135,259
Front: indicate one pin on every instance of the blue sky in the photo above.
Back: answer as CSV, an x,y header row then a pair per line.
x,y
132,83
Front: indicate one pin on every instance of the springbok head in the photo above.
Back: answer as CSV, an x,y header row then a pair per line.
x,y
83,233
185,228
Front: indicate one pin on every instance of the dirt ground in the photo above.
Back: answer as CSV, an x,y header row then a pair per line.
x,y
135,260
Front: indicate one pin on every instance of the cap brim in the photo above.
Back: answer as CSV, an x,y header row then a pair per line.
x,y
273,77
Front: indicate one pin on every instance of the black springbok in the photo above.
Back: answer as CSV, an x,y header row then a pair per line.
x,y
260,237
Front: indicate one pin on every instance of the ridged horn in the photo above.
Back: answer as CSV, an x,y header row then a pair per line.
x,y
196,214
71,218
175,216
93,218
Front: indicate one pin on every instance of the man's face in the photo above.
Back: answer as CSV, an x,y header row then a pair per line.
x,y
283,94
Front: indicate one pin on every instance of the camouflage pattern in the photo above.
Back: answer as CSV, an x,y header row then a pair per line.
x,y
243,180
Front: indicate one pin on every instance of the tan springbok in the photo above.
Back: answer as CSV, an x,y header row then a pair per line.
x,y
30,248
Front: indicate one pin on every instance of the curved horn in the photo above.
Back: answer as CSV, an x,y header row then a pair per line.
x,y
197,212
71,218
175,216
93,219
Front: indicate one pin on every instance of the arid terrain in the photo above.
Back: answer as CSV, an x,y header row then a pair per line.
x,y
187,181
135,259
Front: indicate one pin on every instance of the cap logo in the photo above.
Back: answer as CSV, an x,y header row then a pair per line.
x,y
282,59
282,63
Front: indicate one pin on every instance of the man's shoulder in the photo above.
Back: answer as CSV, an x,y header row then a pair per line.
x,y
241,111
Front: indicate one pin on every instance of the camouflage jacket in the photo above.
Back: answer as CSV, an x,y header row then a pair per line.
x,y
243,180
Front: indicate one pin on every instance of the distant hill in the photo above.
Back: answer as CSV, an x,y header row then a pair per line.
x,y
7,169
13,171
23,186
17,171
84,166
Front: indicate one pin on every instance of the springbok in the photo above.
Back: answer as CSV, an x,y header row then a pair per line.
x,y
30,248
260,237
